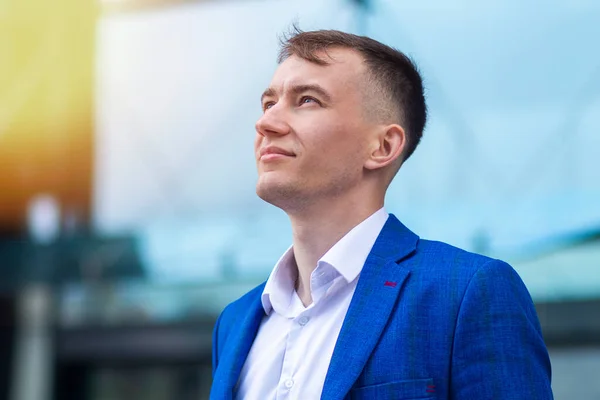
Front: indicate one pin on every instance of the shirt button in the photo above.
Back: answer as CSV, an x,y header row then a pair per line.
x,y
289,383
303,321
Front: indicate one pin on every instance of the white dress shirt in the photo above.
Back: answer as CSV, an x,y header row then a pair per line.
x,y
294,344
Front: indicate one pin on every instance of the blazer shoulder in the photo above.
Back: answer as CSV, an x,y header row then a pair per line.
x,y
446,252
442,258
239,307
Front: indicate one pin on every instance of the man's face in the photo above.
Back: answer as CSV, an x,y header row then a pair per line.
x,y
311,140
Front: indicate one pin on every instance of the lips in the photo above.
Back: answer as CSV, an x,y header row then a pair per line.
x,y
274,151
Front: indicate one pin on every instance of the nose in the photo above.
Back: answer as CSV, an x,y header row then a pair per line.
x,y
272,123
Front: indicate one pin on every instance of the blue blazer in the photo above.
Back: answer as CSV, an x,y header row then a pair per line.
x,y
427,321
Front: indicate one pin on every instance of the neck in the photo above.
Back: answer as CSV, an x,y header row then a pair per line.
x,y
317,229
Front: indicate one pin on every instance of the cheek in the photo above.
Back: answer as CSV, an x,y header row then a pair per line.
x,y
332,156
332,143
325,134
339,141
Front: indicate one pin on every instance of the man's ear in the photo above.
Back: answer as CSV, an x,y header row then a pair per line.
x,y
387,146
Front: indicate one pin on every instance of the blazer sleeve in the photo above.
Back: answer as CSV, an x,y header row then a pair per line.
x,y
498,349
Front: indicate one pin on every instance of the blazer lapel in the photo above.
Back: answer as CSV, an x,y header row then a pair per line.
x,y
237,349
377,291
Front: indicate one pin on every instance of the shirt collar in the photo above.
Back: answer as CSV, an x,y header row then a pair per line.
x,y
347,257
349,254
281,283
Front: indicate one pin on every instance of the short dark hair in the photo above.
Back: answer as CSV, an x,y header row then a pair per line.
x,y
392,70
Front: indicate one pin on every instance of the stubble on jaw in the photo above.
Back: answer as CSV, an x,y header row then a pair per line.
x,y
300,195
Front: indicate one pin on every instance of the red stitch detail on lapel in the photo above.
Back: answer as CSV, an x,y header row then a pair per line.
x,y
390,284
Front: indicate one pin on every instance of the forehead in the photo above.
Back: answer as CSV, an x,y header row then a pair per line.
x,y
344,70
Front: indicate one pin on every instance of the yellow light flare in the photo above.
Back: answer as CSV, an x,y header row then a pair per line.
x,y
46,108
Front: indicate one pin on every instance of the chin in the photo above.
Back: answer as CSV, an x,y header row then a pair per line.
x,y
278,193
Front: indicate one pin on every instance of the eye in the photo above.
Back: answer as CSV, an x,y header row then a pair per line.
x,y
268,105
308,99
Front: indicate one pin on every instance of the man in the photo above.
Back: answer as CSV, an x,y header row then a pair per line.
x,y
360,307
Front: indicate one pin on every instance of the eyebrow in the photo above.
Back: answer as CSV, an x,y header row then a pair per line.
x,y
299,89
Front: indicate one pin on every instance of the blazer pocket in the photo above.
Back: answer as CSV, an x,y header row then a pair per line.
x,y
397,390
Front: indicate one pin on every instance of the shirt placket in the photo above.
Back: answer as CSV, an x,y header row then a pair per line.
x,y
287,387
